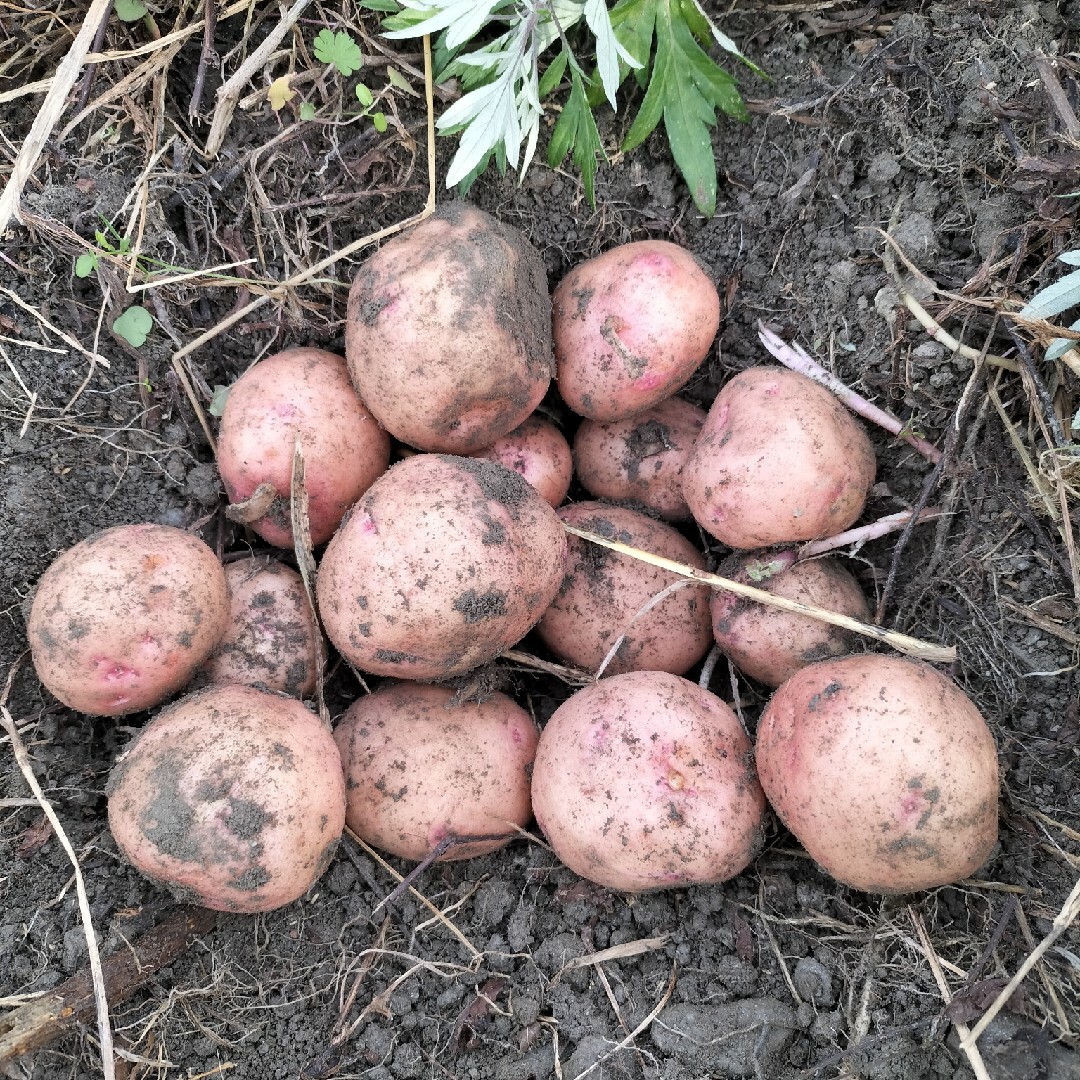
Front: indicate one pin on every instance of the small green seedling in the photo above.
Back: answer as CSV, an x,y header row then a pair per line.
x,y
307,111
134,325
339,50
367,99
129,10
86,264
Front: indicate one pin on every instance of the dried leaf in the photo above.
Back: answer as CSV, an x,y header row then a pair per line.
x,y
280,93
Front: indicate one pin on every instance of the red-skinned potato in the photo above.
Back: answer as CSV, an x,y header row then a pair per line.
x,y
536,449
644,781
770,644
602,591
884,770
630,327
640,459
123,619
233,797
271,639
448,333
443,564
420,769
305,393
779,460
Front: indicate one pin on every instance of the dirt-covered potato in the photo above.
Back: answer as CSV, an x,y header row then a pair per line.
x,y
234,797
602,591
305,393
536,449
271,639
448,333
779,460
884,770
420,769
769,644
441,566
123,619
640,459
645,781
630,327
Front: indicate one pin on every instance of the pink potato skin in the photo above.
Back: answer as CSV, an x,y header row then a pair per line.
x,y
640,459
233,797
419,769
303,392
123,619
602,591
884,770
630,327
536,449
448,331
768,644
644,781
443,564
779,460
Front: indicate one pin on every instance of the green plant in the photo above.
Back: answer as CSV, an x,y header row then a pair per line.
x,y
134,325
1055,299
130,10
339,50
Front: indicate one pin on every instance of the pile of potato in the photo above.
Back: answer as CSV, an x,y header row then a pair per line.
x,y
236,795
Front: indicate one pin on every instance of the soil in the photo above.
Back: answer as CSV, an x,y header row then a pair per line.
x,y
932,118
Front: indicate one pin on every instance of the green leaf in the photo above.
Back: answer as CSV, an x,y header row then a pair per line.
x,y
388,6
364,95
553,76
398,80
1054,299
339,50
380,121
307,111
85,264
129,10
217,402
133,325
576,132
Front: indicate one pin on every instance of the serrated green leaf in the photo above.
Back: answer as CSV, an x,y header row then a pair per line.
x,y
134,325
553,76
129,10
85,264
364,95
1054,299
339,50
576,132
380,122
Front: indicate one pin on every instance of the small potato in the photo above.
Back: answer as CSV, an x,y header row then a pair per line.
x,y
602,591
123,619
271,639
536,449
444,564
630,327
884,770
420,770
448,333
640,459
769,644
233,797
644,781
305,393
779,460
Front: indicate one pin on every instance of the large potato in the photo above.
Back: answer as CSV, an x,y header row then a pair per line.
x,y
123,619
536,449
644,781
630,327
305,393
779,460
232,796
419,769
448,334
444,564
884,770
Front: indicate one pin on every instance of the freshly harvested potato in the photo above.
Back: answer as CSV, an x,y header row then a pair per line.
x,y
271,640
123,619
448,334
420,769
884,770
602,591
640,459
644,781
305,393
536,449
779,460
630,327
233,797
444,564
769,644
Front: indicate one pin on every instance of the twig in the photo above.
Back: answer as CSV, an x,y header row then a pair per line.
x,y
210,18
881,527
91,67
1032,377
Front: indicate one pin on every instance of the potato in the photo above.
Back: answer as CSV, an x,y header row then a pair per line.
x,y
640,459
271,639
884,770
644,781
305,393
779,460
123,619
630,327
419,769
602,591
448,334
769,644
444,564
536,449
233,797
